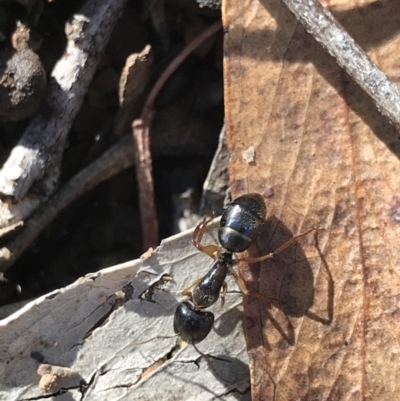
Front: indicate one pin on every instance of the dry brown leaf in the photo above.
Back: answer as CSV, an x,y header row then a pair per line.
x,y
331,160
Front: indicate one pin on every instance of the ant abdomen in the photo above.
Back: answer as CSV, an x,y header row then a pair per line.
x,y
241,222
192,325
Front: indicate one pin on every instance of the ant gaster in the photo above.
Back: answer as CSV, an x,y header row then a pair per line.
x,y
240,225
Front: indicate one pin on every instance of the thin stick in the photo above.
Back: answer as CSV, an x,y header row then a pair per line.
x,y
144,174
320,23
176,62
141,135
116,159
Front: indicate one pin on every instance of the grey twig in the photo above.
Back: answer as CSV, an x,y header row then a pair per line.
x,y
320,23
38,153
116,159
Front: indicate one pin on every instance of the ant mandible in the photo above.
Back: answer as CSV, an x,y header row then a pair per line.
x,y
240,225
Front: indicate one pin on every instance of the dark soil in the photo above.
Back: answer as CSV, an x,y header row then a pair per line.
x,y
103,227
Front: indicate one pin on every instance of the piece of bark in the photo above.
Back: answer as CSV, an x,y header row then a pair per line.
x,y
132,84
38,154
23,78
216,185
332,159
22,84
112,328
215,4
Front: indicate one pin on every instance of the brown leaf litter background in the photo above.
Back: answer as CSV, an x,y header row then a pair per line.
x,y
332,160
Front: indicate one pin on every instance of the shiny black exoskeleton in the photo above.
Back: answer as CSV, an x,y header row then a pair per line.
x,y
240,224
192,325
207,290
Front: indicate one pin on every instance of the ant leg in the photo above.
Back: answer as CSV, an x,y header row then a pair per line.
x,y
244,289
223,293
281,248
207,357
188,290
198,234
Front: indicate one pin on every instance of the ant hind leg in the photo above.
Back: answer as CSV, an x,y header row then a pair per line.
x,y
281,248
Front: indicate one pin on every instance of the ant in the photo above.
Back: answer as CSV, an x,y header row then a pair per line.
x,y
240,225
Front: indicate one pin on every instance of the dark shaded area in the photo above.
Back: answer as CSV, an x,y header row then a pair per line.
x,y
288,279
102,228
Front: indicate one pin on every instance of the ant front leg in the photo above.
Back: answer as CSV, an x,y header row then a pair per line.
x,y
197,237
281,248
223,293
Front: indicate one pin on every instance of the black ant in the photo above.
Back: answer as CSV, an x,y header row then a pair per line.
x,y
240,225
